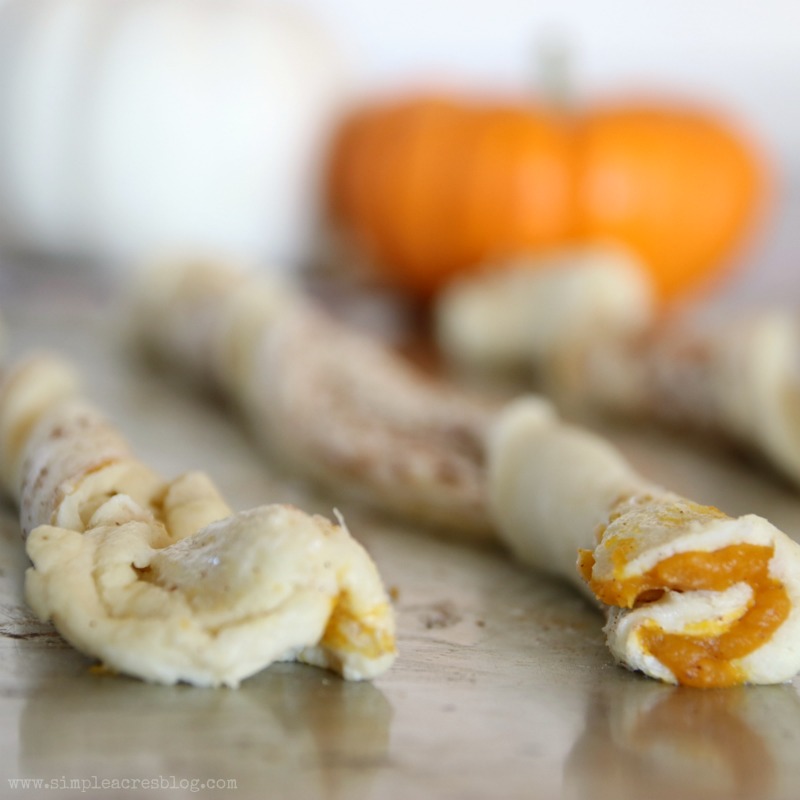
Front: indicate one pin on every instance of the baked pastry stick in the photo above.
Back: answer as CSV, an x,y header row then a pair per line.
x,y
738,381
586,323
160,579
692,595
532,313
334,404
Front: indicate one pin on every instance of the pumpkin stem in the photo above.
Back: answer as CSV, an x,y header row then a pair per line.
x,y
553,71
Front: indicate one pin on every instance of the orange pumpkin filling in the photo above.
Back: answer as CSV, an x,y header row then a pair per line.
x,y
347,632
698,660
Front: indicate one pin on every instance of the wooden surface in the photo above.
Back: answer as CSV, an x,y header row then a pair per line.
x,y
503,687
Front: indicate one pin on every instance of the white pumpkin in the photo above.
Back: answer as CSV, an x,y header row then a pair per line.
x,y
129,127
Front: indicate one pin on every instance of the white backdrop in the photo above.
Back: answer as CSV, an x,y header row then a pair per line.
x,y
743,55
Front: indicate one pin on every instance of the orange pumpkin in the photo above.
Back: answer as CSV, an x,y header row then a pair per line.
x,y
429,188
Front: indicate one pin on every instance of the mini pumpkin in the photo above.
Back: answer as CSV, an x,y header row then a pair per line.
x,y
429,188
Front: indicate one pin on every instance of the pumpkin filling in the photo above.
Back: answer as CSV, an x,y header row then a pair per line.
x,y
696,659
365,634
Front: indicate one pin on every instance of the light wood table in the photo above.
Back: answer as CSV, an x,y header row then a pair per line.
x,y
503,687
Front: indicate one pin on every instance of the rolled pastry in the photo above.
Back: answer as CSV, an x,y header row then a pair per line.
x,y
527,311
586,322
160,579
334,404
692,596
737,380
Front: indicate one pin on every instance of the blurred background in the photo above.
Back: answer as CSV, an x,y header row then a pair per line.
x,y
130,128
734,57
